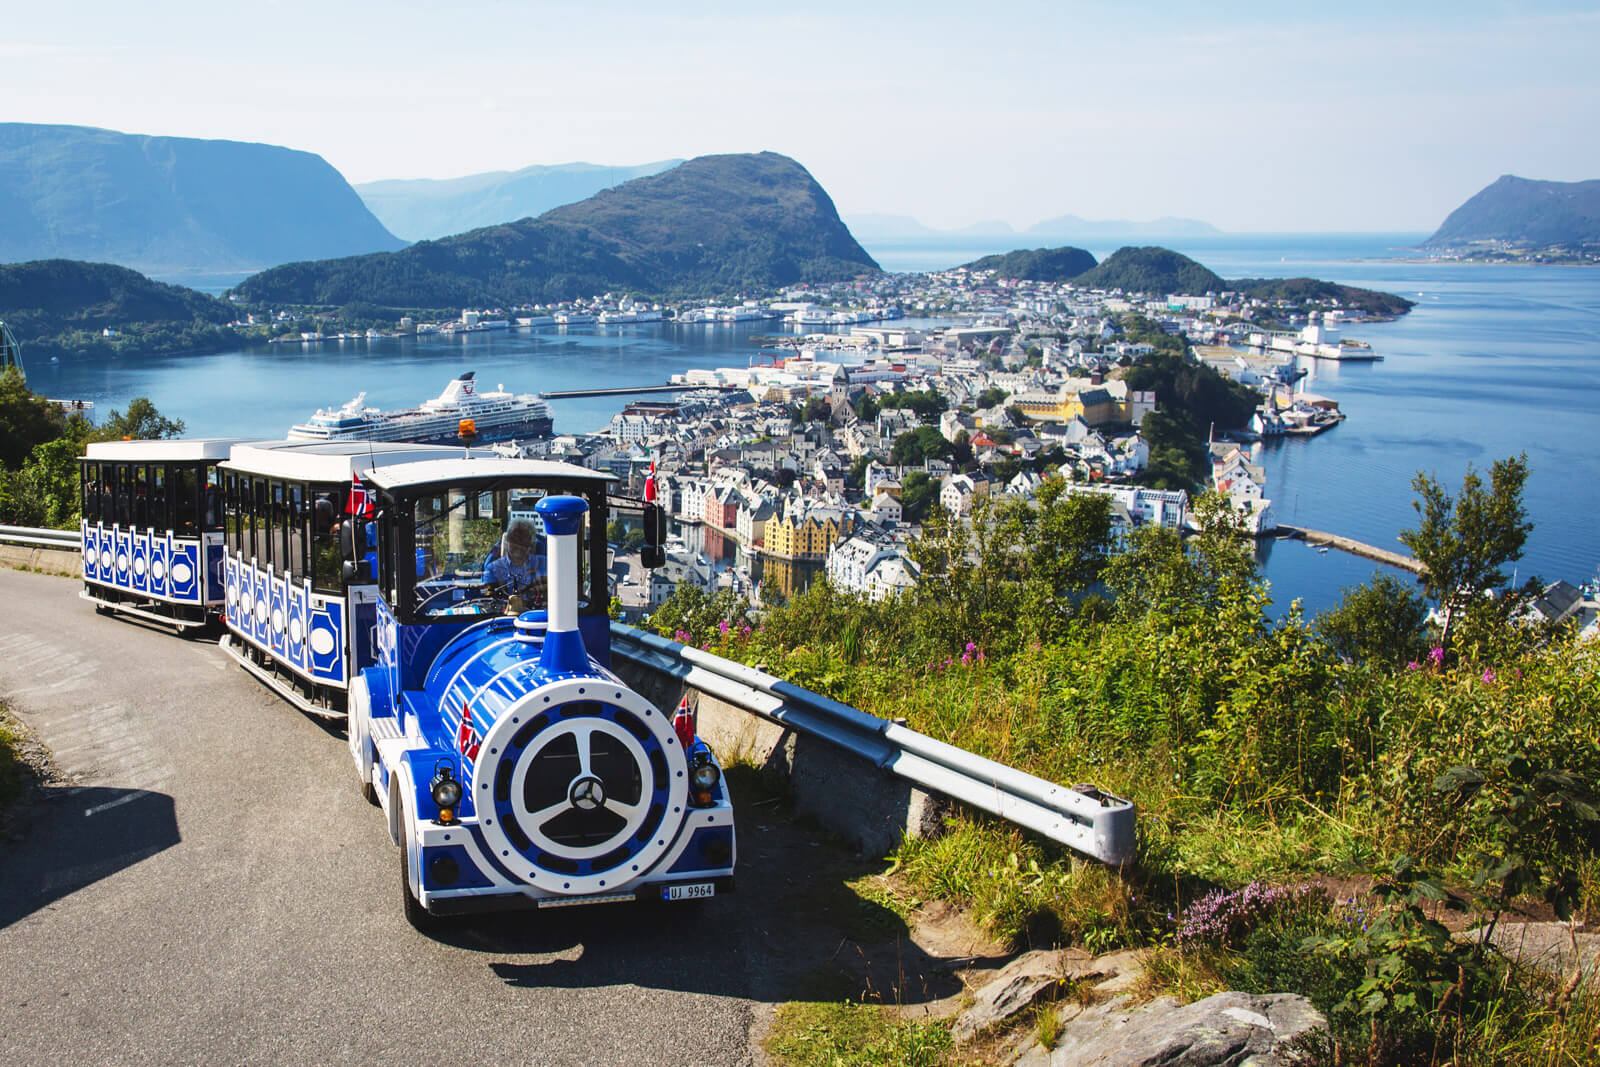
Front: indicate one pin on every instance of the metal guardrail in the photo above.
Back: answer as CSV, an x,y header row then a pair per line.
x,y
27,535
1081,817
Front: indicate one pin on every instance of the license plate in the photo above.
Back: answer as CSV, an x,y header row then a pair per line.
x,y
688,892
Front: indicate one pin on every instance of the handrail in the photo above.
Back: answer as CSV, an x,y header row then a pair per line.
x,y
28,535
1081,817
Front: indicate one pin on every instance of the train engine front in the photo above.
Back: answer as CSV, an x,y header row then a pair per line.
x,y
524,772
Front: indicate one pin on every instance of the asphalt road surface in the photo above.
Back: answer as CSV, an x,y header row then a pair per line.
x,y
205,884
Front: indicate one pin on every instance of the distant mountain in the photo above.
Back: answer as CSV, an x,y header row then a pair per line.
x,y
1073,226
1038,264
715,224
887,227
1151,270
422,210
1525,212
62,307
173,205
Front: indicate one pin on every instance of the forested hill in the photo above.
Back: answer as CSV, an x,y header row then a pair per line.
x,y
715,224
173,205
1524,211
61,307
1161,271
1038,264
1151,270
424,210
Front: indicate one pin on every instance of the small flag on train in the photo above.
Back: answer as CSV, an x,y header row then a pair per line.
x,y
683,724
360,499
650,483
467,739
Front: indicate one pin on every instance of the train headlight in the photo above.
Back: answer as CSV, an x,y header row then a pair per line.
x,y
703,778
446,792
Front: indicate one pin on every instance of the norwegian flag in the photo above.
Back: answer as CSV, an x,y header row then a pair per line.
x,y
467,739
650,484
360,502
683,724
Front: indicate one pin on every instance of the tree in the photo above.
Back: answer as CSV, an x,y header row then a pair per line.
x,y
142,422
1380,622
918,445
1466,541
26,419
917,495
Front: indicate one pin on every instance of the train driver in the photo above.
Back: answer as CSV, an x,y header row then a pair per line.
x,y
516,570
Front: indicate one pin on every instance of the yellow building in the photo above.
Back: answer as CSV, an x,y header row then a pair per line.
x,y
807,534
1095,405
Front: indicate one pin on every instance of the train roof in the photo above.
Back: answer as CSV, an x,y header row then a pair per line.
x,y
182,450
332,461
455,470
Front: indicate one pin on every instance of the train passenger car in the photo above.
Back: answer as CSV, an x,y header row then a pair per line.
x,y
295,616
152,529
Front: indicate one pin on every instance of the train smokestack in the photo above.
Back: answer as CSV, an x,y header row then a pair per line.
x,y
564,652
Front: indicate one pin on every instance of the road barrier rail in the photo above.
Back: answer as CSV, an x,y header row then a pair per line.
x,y
38,538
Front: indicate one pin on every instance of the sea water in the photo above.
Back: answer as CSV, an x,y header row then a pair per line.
x,y
1495,360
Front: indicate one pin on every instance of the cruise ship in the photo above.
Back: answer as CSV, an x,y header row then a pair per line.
x,y
498,416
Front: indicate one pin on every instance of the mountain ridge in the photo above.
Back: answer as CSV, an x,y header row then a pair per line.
x,y
712,224
1525,211
173,204
426,209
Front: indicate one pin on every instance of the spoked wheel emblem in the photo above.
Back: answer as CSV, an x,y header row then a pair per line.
x,y
587,794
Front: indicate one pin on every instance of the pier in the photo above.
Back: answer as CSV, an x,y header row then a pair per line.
x,y
1354,547
625,390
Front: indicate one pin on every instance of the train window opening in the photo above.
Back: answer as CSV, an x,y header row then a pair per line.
x,y
186,501
481,552
298,531
232,529
160,501
326,512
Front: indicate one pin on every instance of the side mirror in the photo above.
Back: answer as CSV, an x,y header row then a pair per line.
x,y
350,572
653,554
347,540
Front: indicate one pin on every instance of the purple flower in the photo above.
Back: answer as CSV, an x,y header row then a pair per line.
x,y
966,657
971,647
1413,666
683,637
1436,656
1488,675
722,627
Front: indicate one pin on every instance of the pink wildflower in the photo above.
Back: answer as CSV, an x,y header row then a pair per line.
x,y
1488,675
722,627
1436,656
1413,666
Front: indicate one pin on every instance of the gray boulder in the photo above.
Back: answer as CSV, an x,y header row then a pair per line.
x,y
1224,1030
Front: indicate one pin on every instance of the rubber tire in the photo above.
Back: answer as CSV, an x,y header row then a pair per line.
x,y
420,918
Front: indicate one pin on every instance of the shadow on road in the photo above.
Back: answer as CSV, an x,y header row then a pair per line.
x,y
800,925
75,837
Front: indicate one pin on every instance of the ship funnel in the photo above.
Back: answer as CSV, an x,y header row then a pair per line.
x,y
564,652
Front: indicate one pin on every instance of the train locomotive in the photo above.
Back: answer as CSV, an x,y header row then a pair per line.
x,y
452,610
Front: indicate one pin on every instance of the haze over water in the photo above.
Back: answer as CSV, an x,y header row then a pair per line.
x,y
1494,360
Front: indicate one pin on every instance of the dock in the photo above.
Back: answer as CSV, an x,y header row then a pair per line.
x,y
1354,547
623,390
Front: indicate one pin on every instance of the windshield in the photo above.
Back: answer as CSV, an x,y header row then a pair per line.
x,y
481,552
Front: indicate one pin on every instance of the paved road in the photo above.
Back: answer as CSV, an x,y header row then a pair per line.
x,y
208,886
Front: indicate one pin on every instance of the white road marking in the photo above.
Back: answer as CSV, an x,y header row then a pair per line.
x,y
98,808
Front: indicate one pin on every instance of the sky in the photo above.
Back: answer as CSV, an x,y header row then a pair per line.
x,y
1253,116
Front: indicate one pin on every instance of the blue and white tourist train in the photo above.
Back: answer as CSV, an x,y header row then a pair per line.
x,y
451,609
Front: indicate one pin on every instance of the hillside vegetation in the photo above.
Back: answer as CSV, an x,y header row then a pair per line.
x,y
1151,270
716,224
1038,264
61,308
173,205
1269,757
1526,212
